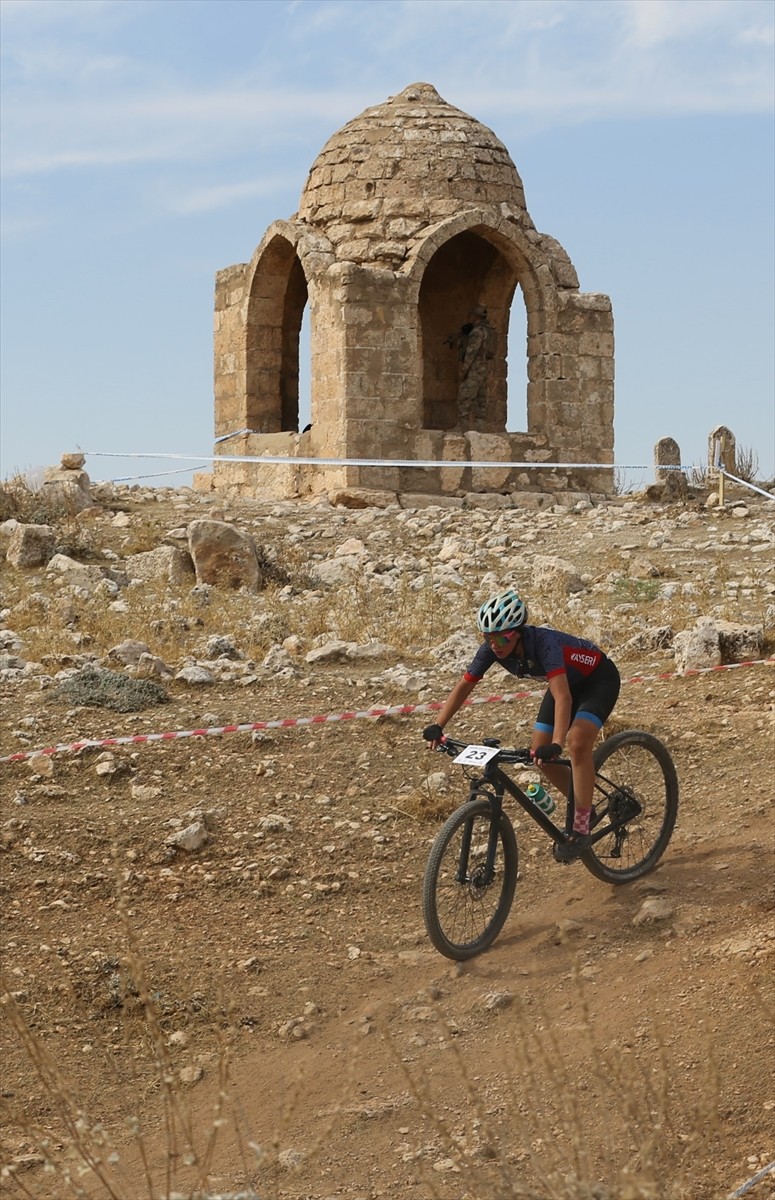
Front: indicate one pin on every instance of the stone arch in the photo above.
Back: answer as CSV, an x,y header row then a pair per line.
x,y
473,259
277,294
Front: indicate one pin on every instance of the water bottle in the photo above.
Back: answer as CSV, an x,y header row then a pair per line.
x,y
541,798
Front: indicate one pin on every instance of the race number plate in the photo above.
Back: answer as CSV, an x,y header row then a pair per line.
x,y
476,756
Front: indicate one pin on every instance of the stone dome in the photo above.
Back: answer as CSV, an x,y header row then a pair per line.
x,y
401,166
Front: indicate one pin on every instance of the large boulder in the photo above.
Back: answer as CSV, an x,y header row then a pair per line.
x,y
165,564
713,642
128,652
30,545
552,572
67,487
740,643
332,572
224,556
86,575
698,647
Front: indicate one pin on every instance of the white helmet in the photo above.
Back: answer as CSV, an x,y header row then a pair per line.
x,y
502,613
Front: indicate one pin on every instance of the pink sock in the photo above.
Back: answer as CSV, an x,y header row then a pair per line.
x,y
581,819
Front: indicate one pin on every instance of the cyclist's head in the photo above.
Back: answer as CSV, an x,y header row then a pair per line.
x,y
502,613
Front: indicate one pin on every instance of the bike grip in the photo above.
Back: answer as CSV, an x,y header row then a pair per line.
x,y
433,733
547,753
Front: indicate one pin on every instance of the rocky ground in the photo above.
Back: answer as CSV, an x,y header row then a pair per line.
x,y
238,916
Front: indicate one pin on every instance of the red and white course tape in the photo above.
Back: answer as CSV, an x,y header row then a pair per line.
x,y
399,710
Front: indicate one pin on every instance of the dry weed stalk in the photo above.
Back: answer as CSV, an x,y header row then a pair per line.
x,y
546,1128
82,1154
84,1144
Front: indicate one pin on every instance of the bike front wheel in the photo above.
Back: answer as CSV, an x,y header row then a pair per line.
x,y
465,902
636,789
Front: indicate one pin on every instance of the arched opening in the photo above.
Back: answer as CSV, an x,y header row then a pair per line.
x,y
465,271
516,364
305,371
278,297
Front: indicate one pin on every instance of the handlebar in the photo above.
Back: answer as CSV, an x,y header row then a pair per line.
x,y
451,746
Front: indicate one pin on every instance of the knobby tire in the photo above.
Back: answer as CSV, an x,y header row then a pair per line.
x,y
639,765
463,919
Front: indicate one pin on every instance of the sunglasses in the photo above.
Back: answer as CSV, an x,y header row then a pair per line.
x,y
499,639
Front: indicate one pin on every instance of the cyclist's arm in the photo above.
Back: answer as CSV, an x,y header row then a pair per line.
x,y
456,699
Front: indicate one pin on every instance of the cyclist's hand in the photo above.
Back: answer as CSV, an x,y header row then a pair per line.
x,y
433,734
547,753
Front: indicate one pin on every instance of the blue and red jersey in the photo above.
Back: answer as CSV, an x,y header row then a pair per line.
x,y
545,652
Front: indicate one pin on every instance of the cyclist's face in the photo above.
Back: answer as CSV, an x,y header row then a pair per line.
x,y
502,644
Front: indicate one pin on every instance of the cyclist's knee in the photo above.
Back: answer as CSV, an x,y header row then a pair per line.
x,y
581,738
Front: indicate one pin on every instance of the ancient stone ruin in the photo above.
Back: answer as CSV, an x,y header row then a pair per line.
x,y
412,230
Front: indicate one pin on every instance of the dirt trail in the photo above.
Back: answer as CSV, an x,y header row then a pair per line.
x,y
363,1063
409,1075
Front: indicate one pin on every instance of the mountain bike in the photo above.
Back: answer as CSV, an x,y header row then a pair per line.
x,y
472,869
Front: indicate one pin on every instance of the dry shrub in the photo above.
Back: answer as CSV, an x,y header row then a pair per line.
x,y
98,688
428,803
412,614
30,506
746,463
142,536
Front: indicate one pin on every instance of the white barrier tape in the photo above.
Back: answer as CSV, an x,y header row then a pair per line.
x,y
237,433
757,1178
400,710
284,460
745,483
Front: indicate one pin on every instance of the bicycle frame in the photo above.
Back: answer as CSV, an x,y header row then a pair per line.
x,y
494,777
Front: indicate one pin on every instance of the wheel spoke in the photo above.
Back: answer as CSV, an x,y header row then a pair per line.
x,y
634,771
464,914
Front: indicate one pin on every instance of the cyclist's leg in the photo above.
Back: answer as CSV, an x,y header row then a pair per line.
x,y
582,736
559,777
593,704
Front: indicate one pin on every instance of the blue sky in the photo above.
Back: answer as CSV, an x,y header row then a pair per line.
x,y
148,143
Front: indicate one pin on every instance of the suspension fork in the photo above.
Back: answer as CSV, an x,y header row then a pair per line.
x,y
496,807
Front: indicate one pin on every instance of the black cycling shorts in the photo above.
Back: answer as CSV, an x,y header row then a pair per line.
x,y
592,699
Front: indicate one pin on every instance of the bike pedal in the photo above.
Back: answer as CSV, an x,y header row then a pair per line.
x,y
568,852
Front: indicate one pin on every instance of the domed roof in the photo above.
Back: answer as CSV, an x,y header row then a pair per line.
x,y
400,166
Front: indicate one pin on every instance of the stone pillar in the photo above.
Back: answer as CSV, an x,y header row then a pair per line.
x,y
570,391
230,366
728,456
380,372
667,453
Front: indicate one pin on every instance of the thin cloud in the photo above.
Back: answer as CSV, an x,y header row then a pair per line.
x,y
656,22
175,125
757,36
82,105
210,199
16,228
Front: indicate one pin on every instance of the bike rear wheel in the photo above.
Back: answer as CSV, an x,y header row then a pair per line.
x,y
635,775
464,909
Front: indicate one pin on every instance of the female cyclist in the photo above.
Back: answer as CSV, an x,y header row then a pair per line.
x,y
583,687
